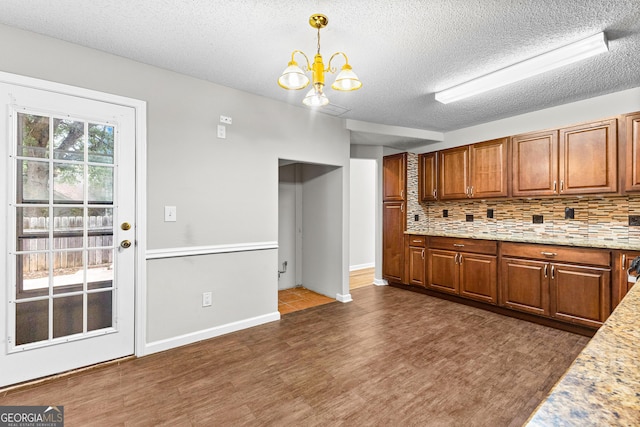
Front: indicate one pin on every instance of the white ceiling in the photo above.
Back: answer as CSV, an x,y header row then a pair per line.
x,y
402,50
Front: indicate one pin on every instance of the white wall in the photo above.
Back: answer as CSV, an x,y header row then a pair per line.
x,y
226,191
287,225
362,250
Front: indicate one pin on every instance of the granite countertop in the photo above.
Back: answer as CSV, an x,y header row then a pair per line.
x,y
602,386
591,243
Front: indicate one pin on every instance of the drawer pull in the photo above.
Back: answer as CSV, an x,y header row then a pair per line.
x,y
458,245
548,254
417,241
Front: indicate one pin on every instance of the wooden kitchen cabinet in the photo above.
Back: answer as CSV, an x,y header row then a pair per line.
x,y
428,177
580,159
453,173
394,217
632,158
552,281
463,267
416,262
588,158
394,222
394,177
474,171
620,283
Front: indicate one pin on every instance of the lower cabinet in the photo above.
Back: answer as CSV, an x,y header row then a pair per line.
x,y
455,266
622,281
394,220
555,284
415,255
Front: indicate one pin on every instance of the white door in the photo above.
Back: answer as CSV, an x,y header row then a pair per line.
x,y
68,187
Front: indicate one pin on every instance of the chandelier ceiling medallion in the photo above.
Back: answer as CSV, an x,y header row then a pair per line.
x,y
294,78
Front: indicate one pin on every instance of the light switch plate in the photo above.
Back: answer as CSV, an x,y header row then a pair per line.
x,y
222,132
170,214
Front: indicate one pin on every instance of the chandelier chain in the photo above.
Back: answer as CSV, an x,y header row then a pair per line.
x,y
318,40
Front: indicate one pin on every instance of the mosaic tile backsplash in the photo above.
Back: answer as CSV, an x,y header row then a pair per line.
x,y
599,221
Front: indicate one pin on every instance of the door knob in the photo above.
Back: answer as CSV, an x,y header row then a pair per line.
x,y
125,226
125,244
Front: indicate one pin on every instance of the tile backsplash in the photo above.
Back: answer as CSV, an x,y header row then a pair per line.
x,y
596,218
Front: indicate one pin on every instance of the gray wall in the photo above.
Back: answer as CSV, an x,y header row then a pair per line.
x,y
225,190
362,218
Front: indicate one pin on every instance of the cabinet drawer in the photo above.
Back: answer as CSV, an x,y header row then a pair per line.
x,y
414,240
601,257
488,247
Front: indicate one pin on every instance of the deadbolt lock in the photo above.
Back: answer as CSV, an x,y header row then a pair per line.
x,y
125,226
125,244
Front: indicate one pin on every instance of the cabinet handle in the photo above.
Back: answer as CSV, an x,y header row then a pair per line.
x,y
455,259
553,272
423,254
555,186
561,185
402,208
546,270
460,259
417,241
624,261
471,192
458,245
468,191
549,254
402,194
435,194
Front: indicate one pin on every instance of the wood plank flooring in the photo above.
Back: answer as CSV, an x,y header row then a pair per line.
x,y
390,357
359,278
299,298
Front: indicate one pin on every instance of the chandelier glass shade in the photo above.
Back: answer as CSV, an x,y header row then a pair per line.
x,y
295,78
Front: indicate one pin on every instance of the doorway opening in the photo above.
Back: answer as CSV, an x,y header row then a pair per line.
x,y
362,227
310,218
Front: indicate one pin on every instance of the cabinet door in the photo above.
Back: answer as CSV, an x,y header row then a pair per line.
x,y
394,169
535,164
442,269
394,219
488,169
580,295
620,284
478,277
525,285
588,158
416,266
428,177
632,178
453,167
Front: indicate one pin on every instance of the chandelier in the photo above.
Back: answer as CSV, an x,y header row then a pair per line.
x,y
294,78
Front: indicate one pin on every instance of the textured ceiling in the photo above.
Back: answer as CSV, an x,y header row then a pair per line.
x,y
402,50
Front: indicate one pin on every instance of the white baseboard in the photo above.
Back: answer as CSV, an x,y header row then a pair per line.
x,y
380,282
344,297
361,266
169,343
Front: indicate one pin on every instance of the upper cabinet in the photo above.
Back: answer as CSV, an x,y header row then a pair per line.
x,y
474,171
575,160
394,174
428,177
632,134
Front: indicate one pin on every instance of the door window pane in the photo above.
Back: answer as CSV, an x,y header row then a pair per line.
x,y
67,316
100,310
68,183
68,140
100,269
101,143
35,181
100,184
33,135
33,275
32,321
32,225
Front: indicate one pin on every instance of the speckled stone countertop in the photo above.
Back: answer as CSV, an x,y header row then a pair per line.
x,y
602,386
592,243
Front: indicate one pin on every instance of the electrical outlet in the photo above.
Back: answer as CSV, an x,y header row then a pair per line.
x,y
226,120
416,217
569,213
207,298
489,213
222,132
469,218
634,220
538,219
445,213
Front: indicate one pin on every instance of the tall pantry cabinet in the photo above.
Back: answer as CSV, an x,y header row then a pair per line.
x,y
394,217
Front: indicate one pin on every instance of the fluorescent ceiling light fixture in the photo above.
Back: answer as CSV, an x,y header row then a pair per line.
x,y
565,55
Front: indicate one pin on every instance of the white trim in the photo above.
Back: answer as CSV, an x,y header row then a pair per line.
x,y
361,266
380,282
344,297
208,250
169,343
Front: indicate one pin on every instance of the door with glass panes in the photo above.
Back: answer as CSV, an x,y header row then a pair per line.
x,y
70,203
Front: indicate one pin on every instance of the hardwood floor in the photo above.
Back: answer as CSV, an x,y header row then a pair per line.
x,y
359,278
299,298
390,357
